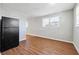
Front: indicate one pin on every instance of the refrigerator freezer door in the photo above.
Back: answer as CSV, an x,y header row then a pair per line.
x,y
9,22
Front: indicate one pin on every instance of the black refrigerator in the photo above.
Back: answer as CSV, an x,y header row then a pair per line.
x,y
0,34
9,33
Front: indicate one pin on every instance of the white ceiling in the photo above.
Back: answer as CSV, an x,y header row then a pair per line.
x,y
38,9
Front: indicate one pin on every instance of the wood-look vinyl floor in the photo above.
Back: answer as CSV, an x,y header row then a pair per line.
x,y
41,46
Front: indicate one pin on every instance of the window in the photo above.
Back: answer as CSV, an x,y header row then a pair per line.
x,y
77,16
51,21
45,22
54,20
77,21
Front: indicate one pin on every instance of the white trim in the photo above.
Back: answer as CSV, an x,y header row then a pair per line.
x,y
21,40
50,38
24,38
76,47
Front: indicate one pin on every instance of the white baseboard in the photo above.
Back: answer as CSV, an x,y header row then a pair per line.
x,y
21,40
50,38
76,47
24,38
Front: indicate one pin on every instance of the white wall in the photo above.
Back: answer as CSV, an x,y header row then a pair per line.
x,y
76,28
4,11
63,32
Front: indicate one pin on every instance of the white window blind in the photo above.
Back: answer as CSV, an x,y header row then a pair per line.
x,y
77,16
45,22
54,20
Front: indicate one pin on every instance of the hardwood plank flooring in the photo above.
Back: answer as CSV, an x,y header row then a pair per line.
x,y
41,46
